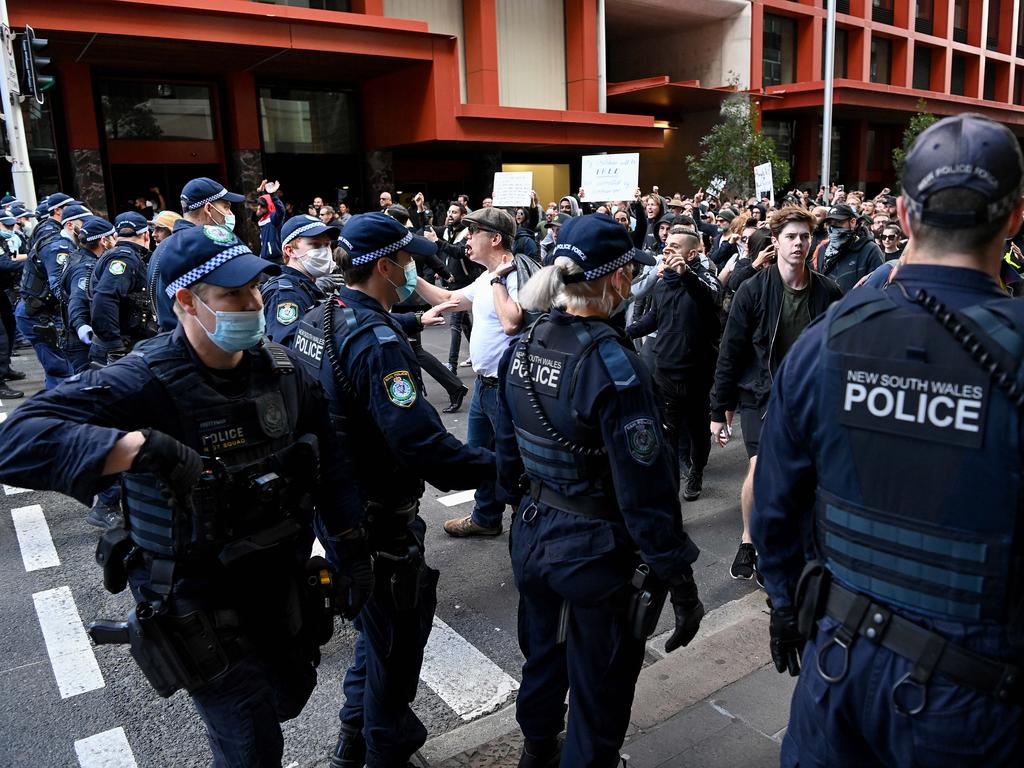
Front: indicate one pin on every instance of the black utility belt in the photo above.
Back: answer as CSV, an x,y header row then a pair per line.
x,y
487,381
930,652
587,506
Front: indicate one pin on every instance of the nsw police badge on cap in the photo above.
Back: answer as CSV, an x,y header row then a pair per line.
x,y
642,440
400,388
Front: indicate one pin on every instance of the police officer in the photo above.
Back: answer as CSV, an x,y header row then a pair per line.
x,y
368,368
11,262
120,314
37,314
894,433
95,236
306,244
215,548
580,440
203,201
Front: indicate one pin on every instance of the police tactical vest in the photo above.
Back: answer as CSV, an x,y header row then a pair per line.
x,y
75,258
919,461
311,293
34,281
238,430
136,306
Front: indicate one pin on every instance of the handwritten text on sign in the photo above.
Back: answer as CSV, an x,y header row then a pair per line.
x,y
512,188
610,177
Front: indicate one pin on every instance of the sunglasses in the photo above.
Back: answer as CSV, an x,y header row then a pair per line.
x,y
474,228
888,237
744,238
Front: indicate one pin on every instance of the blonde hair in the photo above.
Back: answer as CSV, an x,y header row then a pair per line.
x,y
547,288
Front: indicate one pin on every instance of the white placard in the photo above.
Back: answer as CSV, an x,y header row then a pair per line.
x,y
511,188
716,186
610,177
763,181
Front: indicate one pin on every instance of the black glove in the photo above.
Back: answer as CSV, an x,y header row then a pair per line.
x,y
353,582
689,611
786,641
177,464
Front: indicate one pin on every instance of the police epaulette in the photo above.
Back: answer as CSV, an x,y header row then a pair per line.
x,y
279,360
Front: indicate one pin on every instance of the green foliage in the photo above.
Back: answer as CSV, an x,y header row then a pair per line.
x,y
918,123
733,147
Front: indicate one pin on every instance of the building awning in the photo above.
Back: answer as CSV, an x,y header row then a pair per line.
x,y
664,99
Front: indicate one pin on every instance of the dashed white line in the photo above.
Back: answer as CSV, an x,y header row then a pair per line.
x,y
11,490
109,749
455,499
3,416
37,550
469,682
71,656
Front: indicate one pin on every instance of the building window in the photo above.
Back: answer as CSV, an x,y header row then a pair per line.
x,y
923,68
140,110
960,21
322,5
1020,36
881,11
301,121
990,82
881,56
840,63
992,36
958,75
779,50
924,18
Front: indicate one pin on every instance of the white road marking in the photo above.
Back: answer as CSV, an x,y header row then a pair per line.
x,y
3,417
318,549
37,550
469,682
11,490
74,664
455,499
109,749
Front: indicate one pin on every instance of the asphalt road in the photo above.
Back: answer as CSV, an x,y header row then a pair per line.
x,y
64,701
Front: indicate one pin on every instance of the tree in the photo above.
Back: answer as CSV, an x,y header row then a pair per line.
x,y
733,147
918,123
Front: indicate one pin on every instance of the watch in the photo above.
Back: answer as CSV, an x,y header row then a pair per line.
x,y
498,279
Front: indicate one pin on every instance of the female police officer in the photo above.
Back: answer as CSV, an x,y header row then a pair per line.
x,y
580,436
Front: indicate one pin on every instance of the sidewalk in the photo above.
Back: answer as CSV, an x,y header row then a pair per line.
x,y
719,703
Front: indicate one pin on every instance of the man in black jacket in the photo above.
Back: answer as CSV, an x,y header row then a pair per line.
x,y
850,252
685,314
451,247
768,313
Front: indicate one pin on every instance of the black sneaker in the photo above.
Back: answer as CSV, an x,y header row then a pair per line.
x,y
541,754
745,562
456,402
104,516
350,751
694,482
13,375
10,394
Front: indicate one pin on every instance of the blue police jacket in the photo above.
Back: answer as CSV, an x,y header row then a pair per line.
x,y
596,393
163,306
119,274
286,298
74,287
402,439
54,257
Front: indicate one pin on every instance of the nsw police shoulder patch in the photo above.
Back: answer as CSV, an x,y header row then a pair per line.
x,y
82,282
400,388
287,312
62,257
642,441
117,267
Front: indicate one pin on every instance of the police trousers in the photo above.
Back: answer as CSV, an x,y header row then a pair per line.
x,y
393,629
862,719
560,558
56,366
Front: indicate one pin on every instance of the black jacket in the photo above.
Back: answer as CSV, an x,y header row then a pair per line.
x,y
858,258
744,374
463,271
526,244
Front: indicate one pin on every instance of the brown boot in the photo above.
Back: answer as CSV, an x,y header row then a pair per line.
x,y
462,527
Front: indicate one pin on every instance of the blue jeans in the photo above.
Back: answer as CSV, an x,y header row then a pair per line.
x,y
55,364
483,416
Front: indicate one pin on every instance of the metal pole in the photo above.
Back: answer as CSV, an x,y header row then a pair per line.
x,y
602,57
826,122
10,99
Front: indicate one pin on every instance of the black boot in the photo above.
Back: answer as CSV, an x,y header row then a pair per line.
x,y
541,754
350,751
694,483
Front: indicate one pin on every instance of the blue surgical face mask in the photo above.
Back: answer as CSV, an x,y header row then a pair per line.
x,y
408,288
235,331
12,238
229,220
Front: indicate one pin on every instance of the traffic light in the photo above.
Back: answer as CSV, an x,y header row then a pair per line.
x,y
34,81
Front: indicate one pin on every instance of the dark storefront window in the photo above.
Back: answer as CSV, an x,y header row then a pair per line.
x,y
323,5
923,68
881,58
779,50
140,110
840,69
924,18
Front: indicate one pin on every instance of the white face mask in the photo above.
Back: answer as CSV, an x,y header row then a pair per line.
x,y
318,261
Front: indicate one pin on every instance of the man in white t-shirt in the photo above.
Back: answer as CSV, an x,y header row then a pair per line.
x,y
497,318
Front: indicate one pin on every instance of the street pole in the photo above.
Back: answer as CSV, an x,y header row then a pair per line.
x,y
21,171
602,58
826,122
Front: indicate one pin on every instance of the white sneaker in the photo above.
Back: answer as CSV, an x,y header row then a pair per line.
x,y
466,363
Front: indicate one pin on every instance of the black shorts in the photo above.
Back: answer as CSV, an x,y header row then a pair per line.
x,y
751,421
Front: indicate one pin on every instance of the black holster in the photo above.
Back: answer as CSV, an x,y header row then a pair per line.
x,y
645,599
403,575
114,550
318,605
48,334
811,596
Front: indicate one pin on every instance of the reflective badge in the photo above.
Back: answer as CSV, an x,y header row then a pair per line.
x,y
117,267
401,391
62,258
82,283
218,234
287,312
642,440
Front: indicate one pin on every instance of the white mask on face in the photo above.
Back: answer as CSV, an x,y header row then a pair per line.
x,y
318,261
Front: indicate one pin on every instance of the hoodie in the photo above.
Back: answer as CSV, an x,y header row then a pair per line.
x,y
270,228
574,205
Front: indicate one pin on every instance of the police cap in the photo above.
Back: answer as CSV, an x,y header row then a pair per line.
x,y
95,228
211,254
75,212
371,236
599,244
8,220
203,190
131,224
306,226
56,200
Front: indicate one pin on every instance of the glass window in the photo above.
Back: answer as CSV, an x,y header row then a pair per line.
x,y
840,68
306,121
992,37
990,81
923,68
881,11
925,16
779,50
958,75
960,21
881,56
140,110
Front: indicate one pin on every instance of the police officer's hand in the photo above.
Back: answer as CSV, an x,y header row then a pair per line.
x,y
689,611
786,641
85,334
354,575
176,463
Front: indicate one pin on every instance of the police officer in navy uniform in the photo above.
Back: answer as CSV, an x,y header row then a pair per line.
x,y
894,434
96,236
599,523
222,438
203,201
37,314
308,254
120,314
368,368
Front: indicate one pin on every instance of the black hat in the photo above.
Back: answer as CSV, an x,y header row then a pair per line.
x,y
95,228
201,191
964,152
371,236
840,212
306,226
599,244
211,254
131,224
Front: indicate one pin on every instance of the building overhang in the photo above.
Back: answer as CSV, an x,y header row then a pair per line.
x,y
664,99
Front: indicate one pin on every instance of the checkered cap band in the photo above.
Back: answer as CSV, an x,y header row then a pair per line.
x,y
204,201
298,232
109,232
609,267
194,275
387,250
